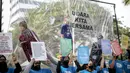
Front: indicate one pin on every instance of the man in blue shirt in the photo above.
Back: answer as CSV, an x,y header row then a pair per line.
x,y
5,69
34,67
126,63
116,64
63,66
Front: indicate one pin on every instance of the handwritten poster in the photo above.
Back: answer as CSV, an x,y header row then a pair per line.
x,y
106,47
39,51
116,47
83,55
6,46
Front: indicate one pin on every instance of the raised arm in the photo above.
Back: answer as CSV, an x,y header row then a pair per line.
x,y
18,68
102,62
28,67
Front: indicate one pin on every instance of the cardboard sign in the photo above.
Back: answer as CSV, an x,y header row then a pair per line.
x,y
106,47
124,41
65,46
39,51
116,47
6,46
83,55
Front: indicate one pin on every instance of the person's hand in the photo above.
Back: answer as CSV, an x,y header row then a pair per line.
x,y
14,58
74,58
48,62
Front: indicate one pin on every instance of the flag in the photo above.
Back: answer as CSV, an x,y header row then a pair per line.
x,y
106,47
83,55
65,46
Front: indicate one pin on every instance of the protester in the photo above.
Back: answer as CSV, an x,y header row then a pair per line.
x,y
35,67
88,68
116,65
25,39
126,63
102,67
63,66
5,69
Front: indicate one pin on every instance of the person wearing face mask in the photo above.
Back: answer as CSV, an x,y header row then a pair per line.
x,y
89,68
126,63
4,68
63,66
35,67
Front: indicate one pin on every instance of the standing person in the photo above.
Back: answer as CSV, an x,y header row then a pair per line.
x,y
35,67
63,66
116,64
26,37
126,63
5,69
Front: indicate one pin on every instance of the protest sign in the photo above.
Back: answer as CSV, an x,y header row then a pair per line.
x,y
83,55
39,51
124,41
6,46
106,47
116,47
65,46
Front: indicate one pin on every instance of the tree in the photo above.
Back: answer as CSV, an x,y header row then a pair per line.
x,y
126,2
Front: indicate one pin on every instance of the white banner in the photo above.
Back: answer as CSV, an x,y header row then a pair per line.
x,y
6,46
39,51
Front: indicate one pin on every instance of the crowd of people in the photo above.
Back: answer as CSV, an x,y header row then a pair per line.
x,y
66,64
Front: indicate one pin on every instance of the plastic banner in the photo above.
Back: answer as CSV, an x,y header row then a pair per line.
x,y
116,47
83,55
39,51
65,46
6,46
106,47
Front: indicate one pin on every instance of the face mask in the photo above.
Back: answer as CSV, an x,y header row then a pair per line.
x,y
36,67
65,63
91,67
3,67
